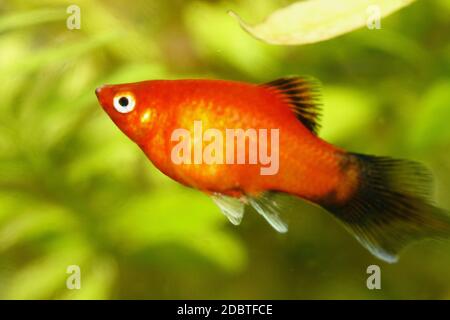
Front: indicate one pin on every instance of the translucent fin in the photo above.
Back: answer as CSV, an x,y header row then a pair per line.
x,y
232,208
270,209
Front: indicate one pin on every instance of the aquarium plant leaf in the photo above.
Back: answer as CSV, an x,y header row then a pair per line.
x,y
318,20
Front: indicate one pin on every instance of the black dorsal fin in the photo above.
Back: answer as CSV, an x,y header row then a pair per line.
x,y
302,93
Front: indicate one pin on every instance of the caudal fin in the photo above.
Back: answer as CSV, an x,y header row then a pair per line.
x,y
391,206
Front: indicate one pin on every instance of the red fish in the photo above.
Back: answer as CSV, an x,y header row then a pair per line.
x,y
385,203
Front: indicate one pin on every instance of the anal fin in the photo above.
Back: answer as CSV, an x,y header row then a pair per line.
x,y
267,206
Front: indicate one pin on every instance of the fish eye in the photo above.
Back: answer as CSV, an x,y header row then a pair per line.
x,y
124,102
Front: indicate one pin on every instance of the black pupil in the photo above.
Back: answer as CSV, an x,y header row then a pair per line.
x,y
123,101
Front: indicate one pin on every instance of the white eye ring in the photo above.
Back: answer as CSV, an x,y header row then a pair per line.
x,y
124,102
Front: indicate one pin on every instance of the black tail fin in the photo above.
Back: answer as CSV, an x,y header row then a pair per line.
x,y
391,206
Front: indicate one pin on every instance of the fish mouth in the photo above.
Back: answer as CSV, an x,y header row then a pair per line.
x,y
102,93
98,91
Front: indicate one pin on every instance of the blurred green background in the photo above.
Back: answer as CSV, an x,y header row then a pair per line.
x,y
75,191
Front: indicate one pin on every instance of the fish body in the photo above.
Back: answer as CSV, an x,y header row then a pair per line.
x,y
351,186
178,104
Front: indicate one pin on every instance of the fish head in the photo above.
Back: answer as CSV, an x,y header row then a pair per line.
x,y
131,107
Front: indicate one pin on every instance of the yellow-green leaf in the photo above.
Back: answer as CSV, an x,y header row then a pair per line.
x,y
318,20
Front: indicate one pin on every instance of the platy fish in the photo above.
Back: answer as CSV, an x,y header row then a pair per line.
x,y
186,128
